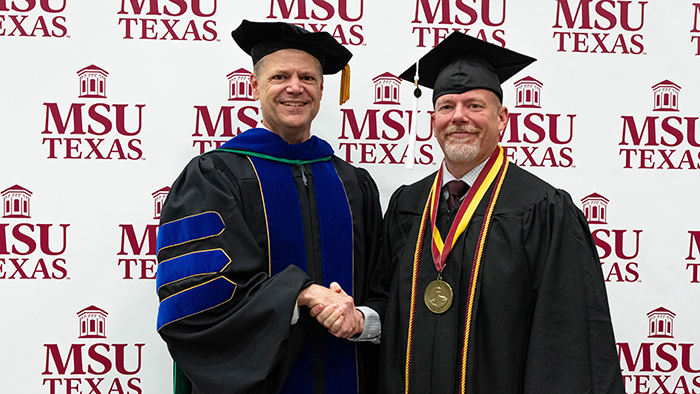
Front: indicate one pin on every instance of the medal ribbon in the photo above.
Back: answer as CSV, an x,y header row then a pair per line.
x,y
466,209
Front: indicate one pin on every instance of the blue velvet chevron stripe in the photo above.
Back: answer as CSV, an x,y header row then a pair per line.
x,y
203,296
191,264
195,300
191,228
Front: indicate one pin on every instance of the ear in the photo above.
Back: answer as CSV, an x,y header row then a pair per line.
x,y
254,85
320,94
502,118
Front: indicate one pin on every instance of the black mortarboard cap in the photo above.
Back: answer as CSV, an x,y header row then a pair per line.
x,y
258,39
461,63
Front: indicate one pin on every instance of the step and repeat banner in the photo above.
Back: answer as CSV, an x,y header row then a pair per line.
x,y
102,103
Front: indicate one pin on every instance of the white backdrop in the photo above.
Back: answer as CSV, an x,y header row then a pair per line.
x,y
82,171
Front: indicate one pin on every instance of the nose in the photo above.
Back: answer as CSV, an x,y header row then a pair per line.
x,y
459,115
295,85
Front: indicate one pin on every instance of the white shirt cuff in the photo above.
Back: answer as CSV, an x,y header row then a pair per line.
x,y
295,314
372,330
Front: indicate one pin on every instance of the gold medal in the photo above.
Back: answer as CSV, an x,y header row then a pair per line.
x,y
438,296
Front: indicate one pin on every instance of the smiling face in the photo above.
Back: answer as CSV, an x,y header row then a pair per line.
x,y
289,85
467,127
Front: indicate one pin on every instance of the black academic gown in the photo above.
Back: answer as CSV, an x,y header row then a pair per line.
x,y
540,323
247,345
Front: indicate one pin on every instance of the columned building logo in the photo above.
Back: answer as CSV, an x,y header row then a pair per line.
x,y
661,323
93,82
386,89
527,93
158,200
92,322
595,207
16,202
666,96
239,87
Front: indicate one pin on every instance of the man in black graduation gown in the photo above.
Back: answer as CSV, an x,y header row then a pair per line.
x,y
269,224
503,293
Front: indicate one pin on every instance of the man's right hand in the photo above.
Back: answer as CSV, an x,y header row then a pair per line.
x,y
333,308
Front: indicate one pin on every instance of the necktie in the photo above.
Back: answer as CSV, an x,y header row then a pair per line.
x,y
455,189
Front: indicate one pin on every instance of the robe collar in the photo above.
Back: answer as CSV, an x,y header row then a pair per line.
x,y
264,143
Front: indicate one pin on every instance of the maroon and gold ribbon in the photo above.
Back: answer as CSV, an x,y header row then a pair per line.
x,y
466,209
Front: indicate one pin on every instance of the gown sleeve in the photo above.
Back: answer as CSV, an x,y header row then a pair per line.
x,y
225,320
383,274
371,231
572,345
367,222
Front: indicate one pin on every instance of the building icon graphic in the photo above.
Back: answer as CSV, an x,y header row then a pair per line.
x,y
158,200
595,207
661,323
92,322
386,89
93,82
666,96
527,93
239,87
15,202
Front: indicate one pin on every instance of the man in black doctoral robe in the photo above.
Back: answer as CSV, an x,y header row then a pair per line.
x,y
270,223
502,293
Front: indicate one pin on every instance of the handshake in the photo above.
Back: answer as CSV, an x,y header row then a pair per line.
x,y
334,309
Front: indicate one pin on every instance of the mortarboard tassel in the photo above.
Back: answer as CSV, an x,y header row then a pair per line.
x,y
345,84
410,152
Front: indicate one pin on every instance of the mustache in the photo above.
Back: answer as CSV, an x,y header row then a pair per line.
x,y
466,128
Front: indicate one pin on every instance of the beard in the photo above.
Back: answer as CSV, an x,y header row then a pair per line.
x,y
461,150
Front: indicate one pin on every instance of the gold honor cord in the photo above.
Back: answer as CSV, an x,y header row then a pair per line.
x,y
497,163
414,285
475,272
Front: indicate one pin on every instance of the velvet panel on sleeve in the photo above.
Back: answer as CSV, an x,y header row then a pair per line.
x,y
245,344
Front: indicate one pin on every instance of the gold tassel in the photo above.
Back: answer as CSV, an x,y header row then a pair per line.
x,y
345,84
